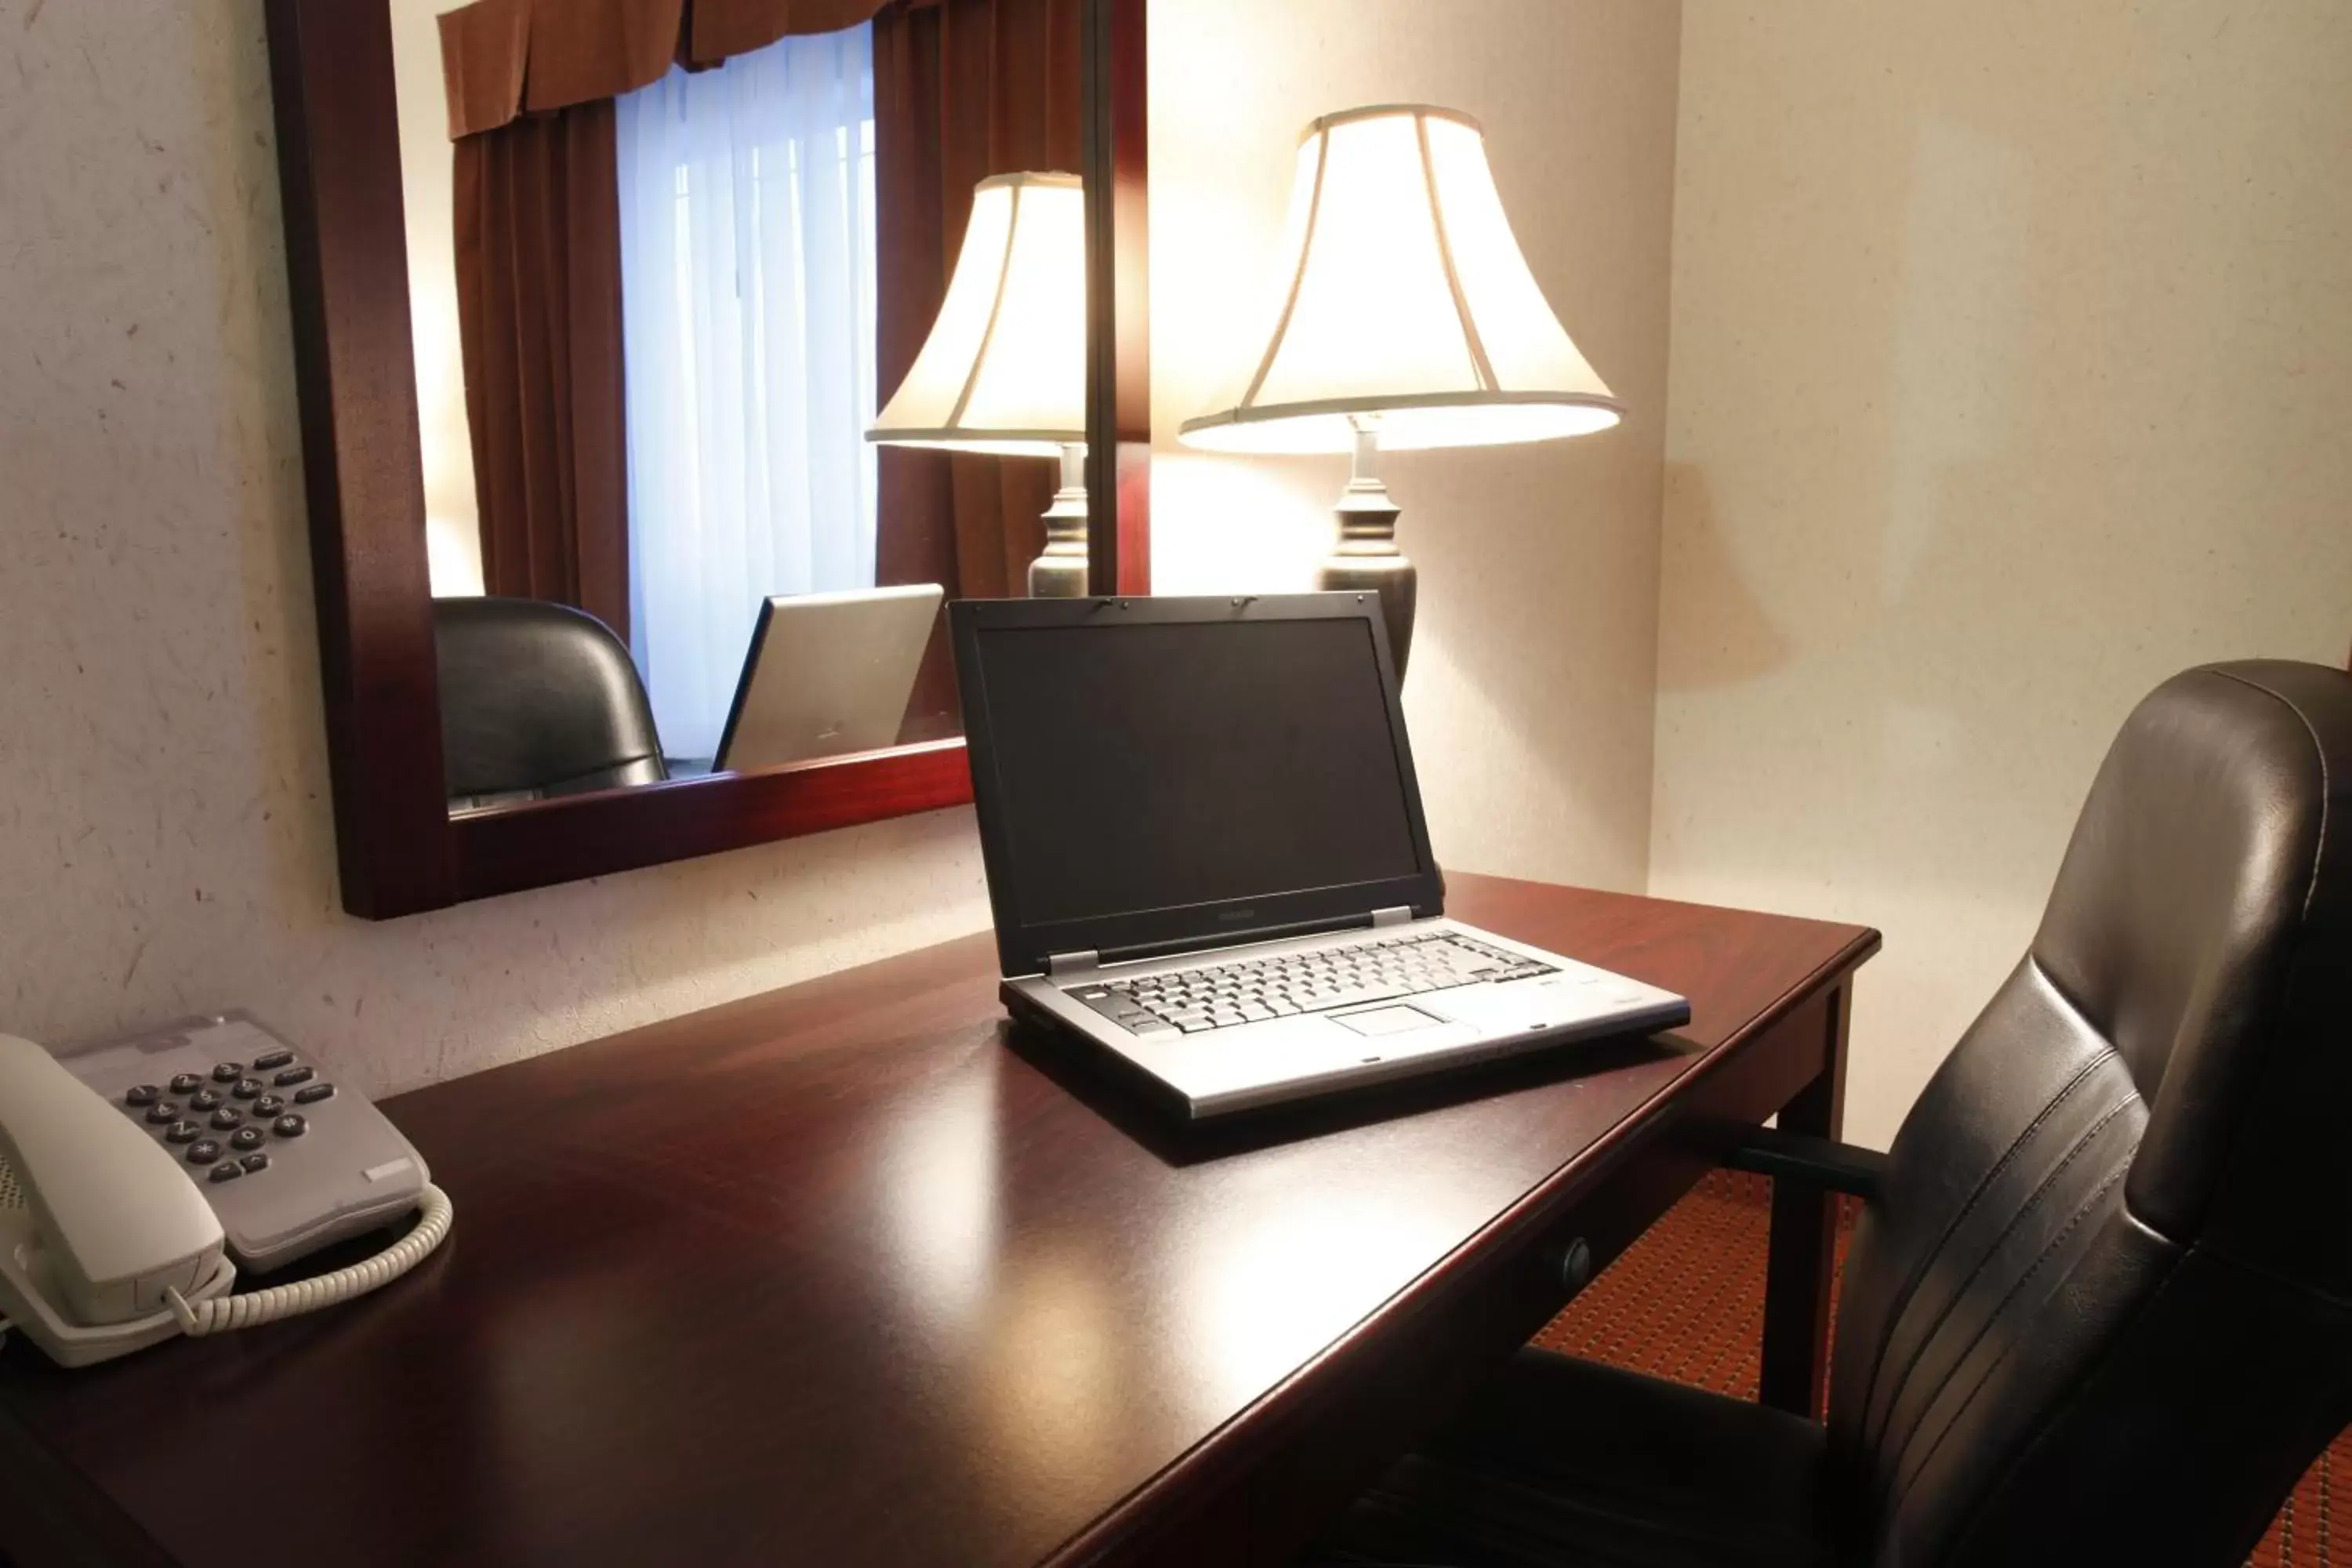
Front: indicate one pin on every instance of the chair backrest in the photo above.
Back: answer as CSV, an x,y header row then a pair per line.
x,y
537,698
2102,1311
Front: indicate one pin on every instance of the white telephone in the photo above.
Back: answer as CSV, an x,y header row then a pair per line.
x,y
108,1241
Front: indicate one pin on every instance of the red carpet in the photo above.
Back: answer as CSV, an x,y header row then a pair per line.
x,y
1686,1303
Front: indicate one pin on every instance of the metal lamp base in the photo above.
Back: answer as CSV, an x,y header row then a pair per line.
x,y
1366,558
1060,570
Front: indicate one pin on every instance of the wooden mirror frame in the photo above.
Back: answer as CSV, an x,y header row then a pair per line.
x,y
398,849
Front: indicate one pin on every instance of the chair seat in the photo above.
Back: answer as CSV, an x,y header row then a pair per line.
x,y
1562,1462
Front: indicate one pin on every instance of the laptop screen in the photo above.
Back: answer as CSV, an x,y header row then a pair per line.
x,y
1200,765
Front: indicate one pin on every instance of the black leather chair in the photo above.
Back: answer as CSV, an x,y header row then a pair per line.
x,y
537,699
2098,1308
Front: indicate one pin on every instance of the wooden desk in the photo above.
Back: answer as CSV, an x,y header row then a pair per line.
x,y
851,1273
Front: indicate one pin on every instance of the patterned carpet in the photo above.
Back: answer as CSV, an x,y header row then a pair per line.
x,y
1686,1303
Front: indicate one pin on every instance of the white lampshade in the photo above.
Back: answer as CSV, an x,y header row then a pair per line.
x,y
1004,368
1403,294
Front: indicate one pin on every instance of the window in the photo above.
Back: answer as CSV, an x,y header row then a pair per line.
x,y
747,293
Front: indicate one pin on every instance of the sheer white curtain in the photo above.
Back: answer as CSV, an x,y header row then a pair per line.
x,y
747,289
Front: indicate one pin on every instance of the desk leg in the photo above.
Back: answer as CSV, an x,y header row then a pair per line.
x,y
1798,1273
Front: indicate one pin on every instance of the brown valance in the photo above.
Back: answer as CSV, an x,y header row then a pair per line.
x,y
503,59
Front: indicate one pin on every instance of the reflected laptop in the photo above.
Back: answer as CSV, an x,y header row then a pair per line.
x,y
1206,854
827,674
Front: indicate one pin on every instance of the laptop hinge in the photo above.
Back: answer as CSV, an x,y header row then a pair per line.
x,y
1394,915
1072,962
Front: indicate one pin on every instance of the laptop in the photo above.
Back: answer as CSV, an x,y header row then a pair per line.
x,y
1206,854
827,674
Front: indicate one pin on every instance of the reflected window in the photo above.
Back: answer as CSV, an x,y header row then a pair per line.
x,y
748,303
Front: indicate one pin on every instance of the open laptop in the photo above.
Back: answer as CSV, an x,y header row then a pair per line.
x,y
1206,854
827,674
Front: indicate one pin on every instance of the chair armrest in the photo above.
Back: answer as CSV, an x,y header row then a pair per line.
x,y
1841,1167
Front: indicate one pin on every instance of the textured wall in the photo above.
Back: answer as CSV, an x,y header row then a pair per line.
x,y
165,843
2012,356
1533,660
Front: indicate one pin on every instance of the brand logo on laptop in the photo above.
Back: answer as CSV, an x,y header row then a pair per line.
x,y
1236,914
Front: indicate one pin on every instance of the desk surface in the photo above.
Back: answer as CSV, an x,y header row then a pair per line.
x,y
852,1273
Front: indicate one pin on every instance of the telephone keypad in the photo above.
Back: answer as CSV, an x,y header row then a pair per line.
x,y
340,1168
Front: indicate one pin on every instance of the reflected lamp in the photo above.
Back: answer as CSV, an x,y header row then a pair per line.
x,y
1005,368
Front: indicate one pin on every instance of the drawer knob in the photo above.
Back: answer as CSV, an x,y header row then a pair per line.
x,y
1576,1266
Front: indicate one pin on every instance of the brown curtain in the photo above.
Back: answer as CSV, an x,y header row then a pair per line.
x,y
539,318
530,86
962,90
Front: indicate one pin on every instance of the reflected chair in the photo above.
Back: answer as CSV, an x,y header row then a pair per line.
x,y
2098,1306
537,699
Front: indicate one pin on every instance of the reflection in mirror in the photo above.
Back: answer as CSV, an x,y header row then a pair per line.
x,y
661,287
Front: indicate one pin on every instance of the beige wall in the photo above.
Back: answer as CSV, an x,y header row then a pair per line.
x,y
452,518
1532,667
165,844
2012,366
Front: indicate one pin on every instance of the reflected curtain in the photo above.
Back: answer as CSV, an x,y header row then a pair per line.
x,y
962,90
529,86
539,296
748,277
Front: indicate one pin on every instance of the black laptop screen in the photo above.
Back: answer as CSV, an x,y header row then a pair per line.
x,y
1160,766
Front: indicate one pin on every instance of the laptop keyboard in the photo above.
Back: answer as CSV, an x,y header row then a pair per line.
x,y
1218,996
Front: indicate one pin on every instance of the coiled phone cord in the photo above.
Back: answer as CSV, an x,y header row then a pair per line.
x,y
254,1307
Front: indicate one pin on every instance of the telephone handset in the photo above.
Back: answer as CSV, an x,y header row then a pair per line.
x,y
136,1177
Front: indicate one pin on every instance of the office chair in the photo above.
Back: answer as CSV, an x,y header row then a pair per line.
x,y
2098,1306
537,699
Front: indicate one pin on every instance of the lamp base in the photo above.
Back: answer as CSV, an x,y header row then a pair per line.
x,y
1060,570
1366,558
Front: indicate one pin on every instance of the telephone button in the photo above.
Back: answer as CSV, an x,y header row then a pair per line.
x,y
203,1152
227,1072
204,1098
289,1126
182,1131
255,1164
246,1088
245,1138
227,1171
162,1110
315,1093
293,1076
186,1083
268,1105
145,1094
270,1061
228,1119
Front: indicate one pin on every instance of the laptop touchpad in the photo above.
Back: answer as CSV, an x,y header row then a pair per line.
x,y
1394,1020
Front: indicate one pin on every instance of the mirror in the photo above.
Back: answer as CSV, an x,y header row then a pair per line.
x,y
656,311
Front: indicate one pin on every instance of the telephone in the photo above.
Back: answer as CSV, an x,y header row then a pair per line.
x,y
136,1178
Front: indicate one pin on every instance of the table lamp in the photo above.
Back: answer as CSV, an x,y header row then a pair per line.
x,y
1005,370
1407,318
